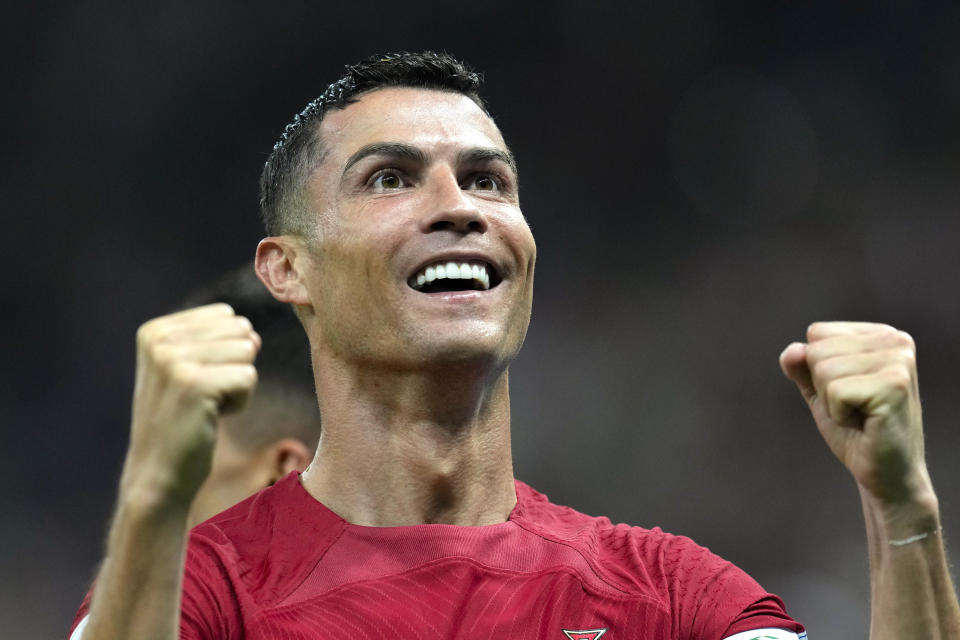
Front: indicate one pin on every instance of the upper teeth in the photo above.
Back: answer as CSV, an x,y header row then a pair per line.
x,y
452,271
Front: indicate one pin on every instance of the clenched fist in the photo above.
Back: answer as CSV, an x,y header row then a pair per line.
x,y
860,382
192,367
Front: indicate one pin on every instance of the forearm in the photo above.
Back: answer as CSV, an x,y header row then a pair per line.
x,y
912,593
138,589
191,366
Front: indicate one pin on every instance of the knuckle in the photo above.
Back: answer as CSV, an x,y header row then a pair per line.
x,y
221,308
153,334
184,375
822,370
898,378
160,355
146,334
834,390
909,357
248,350
906,340
141,336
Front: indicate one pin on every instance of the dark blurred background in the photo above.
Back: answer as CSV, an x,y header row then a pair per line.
x,y
703,179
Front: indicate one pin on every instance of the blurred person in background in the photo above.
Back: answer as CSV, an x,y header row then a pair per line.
x,y
279,430
394,229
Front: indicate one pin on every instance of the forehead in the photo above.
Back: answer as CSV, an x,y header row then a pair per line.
x,y
433,120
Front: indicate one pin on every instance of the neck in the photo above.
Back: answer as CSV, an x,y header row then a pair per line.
x,y
413,447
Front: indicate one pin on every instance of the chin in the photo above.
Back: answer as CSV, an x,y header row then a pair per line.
x,y
463,351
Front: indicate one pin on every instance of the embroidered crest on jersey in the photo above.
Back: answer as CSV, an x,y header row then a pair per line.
x,y
587,634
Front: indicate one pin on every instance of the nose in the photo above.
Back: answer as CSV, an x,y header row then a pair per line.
x,y
449,207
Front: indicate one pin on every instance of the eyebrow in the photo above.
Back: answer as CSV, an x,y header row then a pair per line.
x,y
391,149
404,151
486,154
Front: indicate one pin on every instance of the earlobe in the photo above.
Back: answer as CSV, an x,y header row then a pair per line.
x,y
276,265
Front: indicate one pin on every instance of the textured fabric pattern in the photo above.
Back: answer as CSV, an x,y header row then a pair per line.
x,y
280,566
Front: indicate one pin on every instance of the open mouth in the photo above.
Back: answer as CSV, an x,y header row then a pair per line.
x,y
441,277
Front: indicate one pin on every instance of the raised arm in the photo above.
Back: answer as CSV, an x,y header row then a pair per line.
x,y
192,367
860,382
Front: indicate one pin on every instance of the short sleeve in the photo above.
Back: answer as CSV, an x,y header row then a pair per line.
x,y
713,598
208,609
767,612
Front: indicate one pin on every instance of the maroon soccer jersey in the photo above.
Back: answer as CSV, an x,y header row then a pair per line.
x,y
281,566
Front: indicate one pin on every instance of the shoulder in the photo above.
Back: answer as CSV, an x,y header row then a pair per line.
x,y
630,552
700,589
257,546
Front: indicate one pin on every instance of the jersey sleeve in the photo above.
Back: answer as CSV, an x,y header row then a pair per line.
x,y
714,598
703,596
763,614
208,607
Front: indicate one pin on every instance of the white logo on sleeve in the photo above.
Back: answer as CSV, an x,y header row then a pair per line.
x,y
763,634
78,632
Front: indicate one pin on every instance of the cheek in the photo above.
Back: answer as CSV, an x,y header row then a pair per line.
x,y
531,245
522,239
353,269
365,242
350,289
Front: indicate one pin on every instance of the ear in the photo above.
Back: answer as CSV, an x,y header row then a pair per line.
x,y
279,265
286,455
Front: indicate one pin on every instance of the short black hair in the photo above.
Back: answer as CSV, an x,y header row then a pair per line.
x,y
285,402
299,149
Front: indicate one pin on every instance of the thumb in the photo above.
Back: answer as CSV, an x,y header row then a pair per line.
x,y
793,362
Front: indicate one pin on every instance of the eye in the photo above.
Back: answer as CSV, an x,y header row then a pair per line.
x,y
482,182
388,180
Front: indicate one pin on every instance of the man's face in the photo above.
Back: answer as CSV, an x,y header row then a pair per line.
x,y
418,185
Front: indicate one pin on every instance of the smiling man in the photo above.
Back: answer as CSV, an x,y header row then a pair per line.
x,y
395,231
